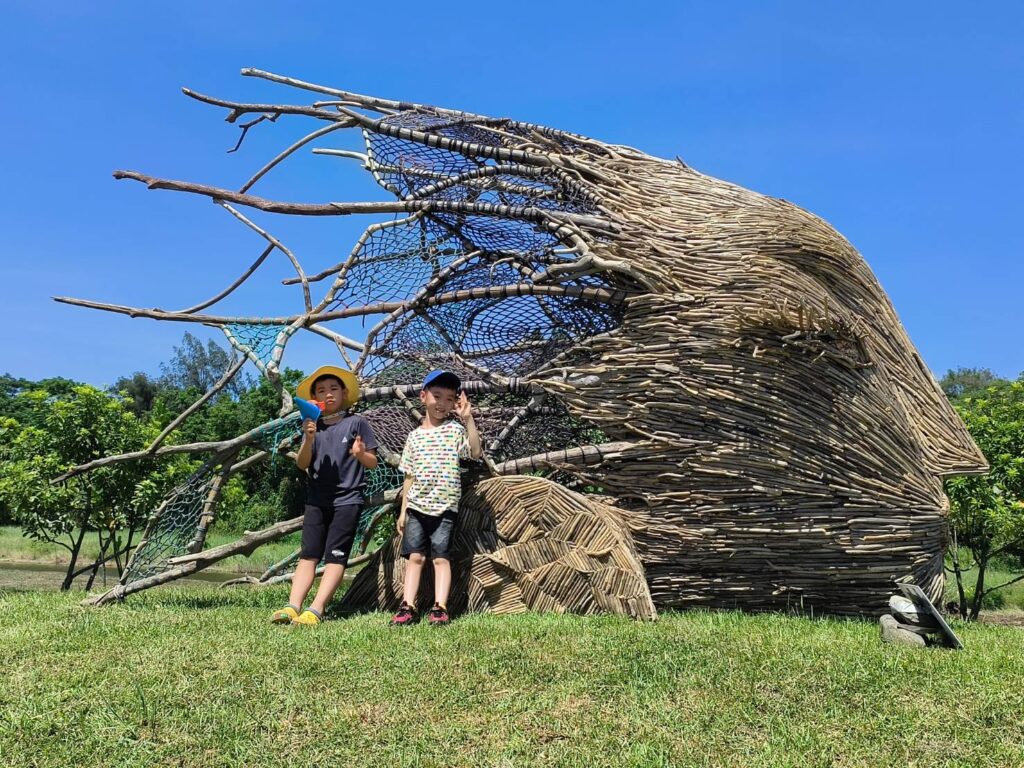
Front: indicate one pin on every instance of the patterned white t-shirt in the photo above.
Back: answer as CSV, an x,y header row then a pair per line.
x,y
431,457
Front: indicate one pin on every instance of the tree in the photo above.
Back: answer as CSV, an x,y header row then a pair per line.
x,y
964,381
987,512
20,409
140,389
23,413
112,502
196,367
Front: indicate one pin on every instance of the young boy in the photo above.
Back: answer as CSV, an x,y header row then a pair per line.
x,y
336,451
430,496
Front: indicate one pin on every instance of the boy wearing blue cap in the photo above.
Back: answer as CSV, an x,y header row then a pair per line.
x,y
432,489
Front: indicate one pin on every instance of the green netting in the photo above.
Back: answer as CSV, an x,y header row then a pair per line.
x,y
173,530
257,341
379,480
382,478
277,436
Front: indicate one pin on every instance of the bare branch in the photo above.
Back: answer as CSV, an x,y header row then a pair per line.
x,y
238,109
602,295
1004,584
341,342
551,219
336,337
197,562
246,126
367,102
285,153
402,391
587,454
378,104
221,448
466,148
227,291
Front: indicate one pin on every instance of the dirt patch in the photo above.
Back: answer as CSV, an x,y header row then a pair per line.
x,y
1009,618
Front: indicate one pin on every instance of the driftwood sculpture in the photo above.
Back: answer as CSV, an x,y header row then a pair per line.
x,y
722,366
525,543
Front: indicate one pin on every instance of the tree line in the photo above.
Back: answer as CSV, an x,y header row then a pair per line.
x,y
987,512
49,426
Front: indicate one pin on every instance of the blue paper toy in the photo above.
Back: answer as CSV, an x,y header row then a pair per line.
x,y
310,409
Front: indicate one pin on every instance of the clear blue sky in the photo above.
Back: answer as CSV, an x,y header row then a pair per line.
x,y
899,123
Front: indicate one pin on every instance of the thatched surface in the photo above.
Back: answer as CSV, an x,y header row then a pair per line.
x,y
524,543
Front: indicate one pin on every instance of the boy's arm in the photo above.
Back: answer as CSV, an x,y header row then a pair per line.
x,y
364,445
365,456
405,466
305,455
476,450
405,502
463,409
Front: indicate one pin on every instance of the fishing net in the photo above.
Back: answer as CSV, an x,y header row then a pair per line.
x,y
411,169
277,436
174,529
257,341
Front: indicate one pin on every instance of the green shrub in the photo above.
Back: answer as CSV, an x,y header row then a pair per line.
x,y
992,601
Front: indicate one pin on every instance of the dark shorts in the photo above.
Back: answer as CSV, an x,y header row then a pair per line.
x,y
328,532
428,535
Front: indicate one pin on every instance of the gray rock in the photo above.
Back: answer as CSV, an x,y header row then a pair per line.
x,y
893,633
908,612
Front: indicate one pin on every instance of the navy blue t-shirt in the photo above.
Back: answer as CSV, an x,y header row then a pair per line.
x,y
335,477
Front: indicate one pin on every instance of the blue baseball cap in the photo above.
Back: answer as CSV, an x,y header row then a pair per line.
x,y
445,379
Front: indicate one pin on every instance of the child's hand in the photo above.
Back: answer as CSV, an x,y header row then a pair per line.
x,y
308,429
400,525
358,447
463,407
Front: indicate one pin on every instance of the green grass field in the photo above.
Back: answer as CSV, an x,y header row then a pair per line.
x,y
14,547
196,677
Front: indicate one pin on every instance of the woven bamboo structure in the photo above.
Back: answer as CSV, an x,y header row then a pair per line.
x,y
524,543
721,364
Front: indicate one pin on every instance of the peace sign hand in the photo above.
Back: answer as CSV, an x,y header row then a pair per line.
x,y
463,407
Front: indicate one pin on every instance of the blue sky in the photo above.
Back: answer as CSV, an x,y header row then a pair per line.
x,y
899,123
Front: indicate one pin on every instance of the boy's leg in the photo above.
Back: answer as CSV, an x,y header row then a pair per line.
x,y
442,580
314,536
329,583
440,546
302,581
415,545
341,535
413,570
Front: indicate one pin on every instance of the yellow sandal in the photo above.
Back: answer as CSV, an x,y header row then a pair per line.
x,y
285,616
308,618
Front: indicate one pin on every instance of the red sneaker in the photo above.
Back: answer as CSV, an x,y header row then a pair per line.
x,y
438,616
405,616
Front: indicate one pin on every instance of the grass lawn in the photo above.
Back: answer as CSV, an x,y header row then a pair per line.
x,y
14,546
196,677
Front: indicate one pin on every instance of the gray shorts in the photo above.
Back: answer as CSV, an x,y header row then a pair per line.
x,y
428,535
